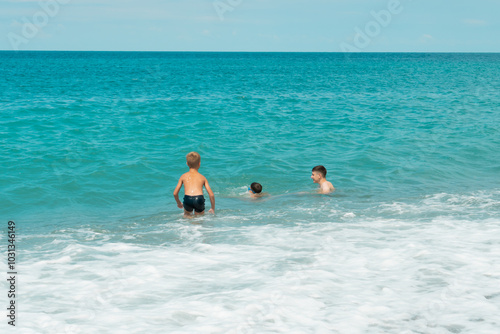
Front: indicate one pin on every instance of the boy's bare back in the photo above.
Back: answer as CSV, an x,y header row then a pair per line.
x,y
193,183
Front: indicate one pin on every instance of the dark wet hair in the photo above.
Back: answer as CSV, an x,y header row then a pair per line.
x,y
320,169
256,187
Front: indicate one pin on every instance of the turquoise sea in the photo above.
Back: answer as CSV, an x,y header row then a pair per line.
x,y
93,144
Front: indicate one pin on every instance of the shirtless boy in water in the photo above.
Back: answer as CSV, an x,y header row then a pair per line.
x,y
319,176
193,188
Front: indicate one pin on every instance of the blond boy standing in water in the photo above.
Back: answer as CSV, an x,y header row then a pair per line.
x,y
193,188
319,176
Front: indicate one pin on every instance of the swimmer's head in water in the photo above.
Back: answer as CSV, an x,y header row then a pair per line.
x,y
256,188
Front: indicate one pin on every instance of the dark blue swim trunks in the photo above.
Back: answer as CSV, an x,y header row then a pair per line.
x,y
194,202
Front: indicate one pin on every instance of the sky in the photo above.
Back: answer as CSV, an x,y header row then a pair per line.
x,y
251,25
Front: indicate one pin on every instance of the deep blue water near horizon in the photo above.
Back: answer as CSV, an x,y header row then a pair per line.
x,y
93,144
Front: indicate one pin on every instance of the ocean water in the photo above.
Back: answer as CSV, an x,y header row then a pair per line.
x,y
93,144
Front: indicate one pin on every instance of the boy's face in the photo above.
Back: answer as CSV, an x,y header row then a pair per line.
x,y
316,176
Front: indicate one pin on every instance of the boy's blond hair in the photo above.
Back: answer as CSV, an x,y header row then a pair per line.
x,y
193,159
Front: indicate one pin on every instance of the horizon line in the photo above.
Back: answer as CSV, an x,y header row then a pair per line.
x,y
178,51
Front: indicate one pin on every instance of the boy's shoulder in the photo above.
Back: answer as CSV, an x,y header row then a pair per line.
x,y
197,173
186,175
326,187
193,173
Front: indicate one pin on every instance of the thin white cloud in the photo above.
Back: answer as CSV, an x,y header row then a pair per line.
x,y
474,22
425,38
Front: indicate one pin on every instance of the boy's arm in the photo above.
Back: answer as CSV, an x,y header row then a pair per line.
x,y
176,193
211,195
